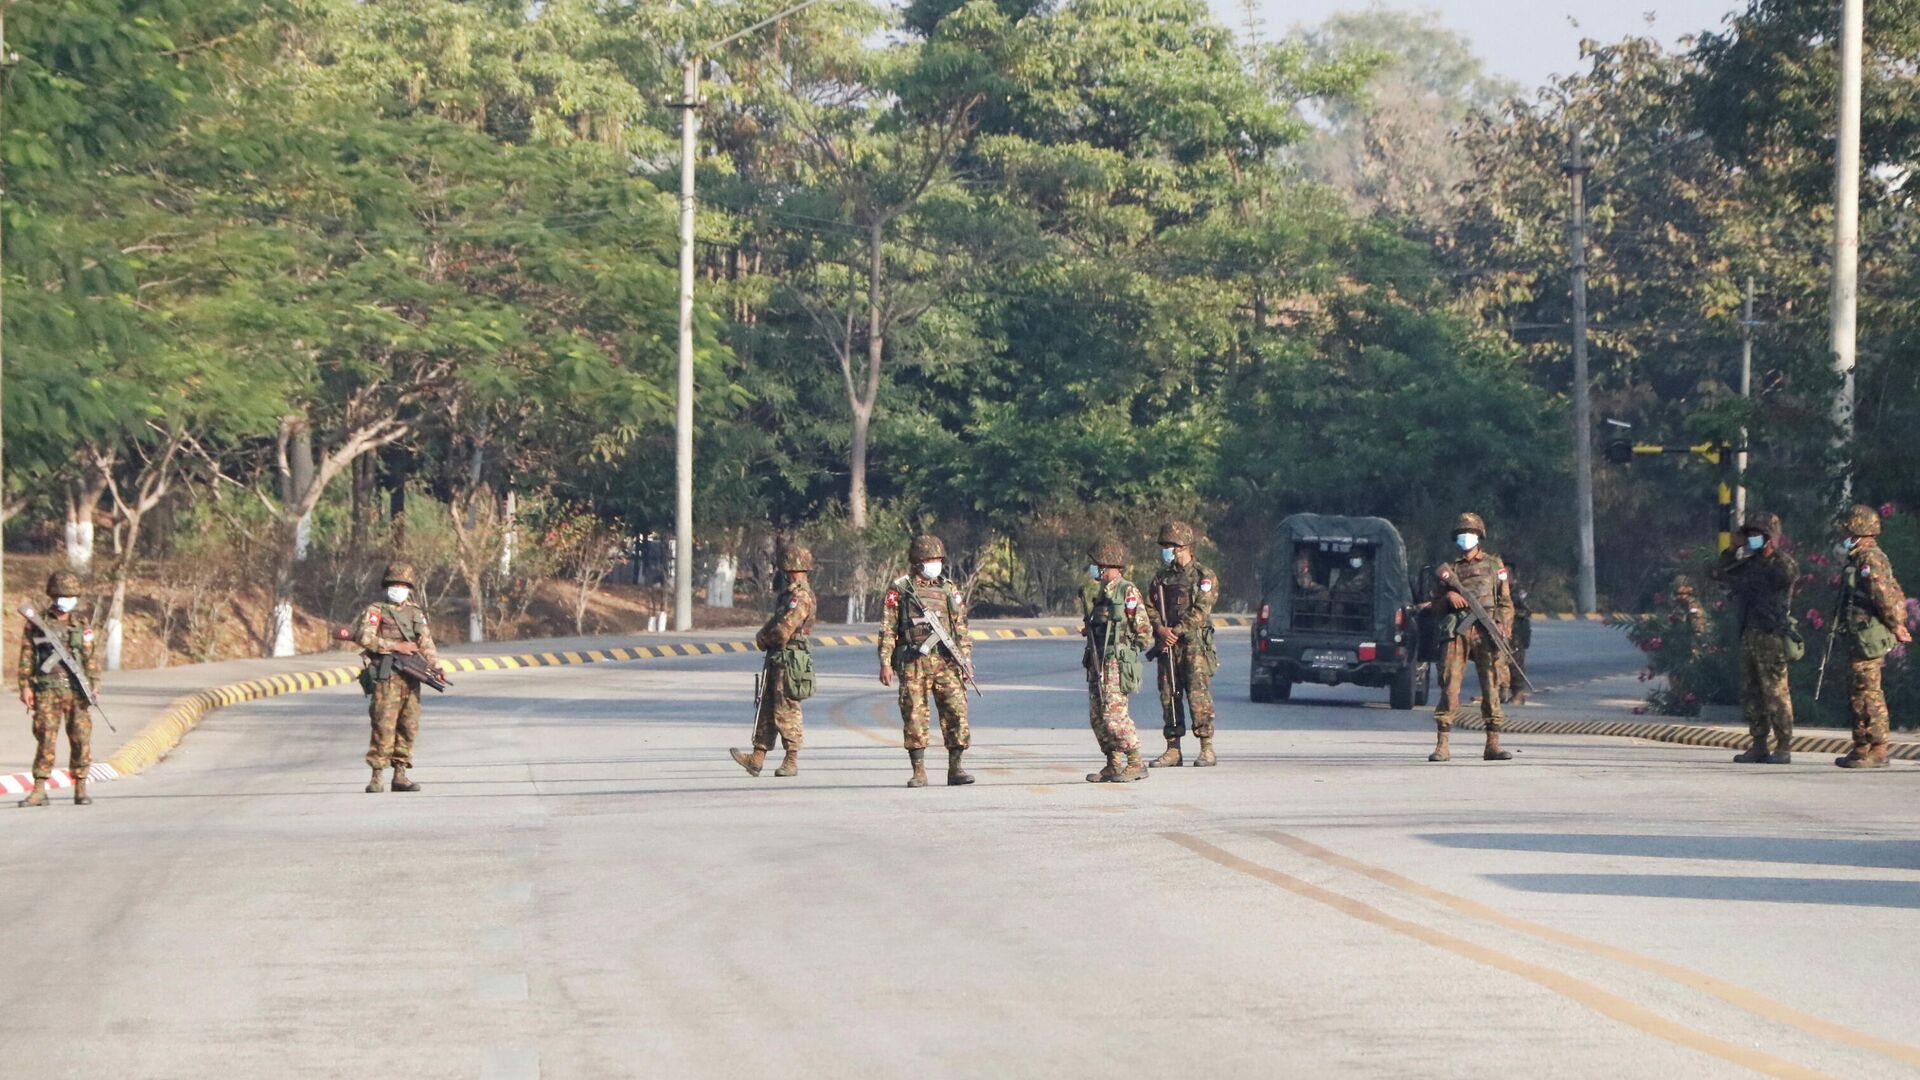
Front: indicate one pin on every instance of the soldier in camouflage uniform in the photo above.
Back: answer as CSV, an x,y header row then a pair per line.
x,y
52,697
790,624
1761,578
1875,621
1684,610
1512,690
1180,610
1481,573
908,650
396,626
1118,624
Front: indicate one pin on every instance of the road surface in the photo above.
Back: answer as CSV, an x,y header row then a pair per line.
x,y
589,887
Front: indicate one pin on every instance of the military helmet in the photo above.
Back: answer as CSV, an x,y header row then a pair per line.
x,y
399,573
1108,552
926,547
63,583
1861,521
1762,522
796,558
1470,522
1176,534
1682,584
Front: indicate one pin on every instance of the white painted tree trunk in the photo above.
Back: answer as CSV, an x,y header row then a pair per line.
x,y
116,635
476,626
512,538
303,538
726,568
80,544
283,629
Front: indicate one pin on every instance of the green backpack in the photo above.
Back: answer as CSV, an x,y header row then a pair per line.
x,y
796,673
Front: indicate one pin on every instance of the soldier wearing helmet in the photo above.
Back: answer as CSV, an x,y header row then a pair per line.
x,y
910,650
1180,608
394,626
1873,621
788,628
1117,628
49,692
1761,577
1481,574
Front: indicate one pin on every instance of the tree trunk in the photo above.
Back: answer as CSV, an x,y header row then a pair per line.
x,y
83,500
361,504
117,607
512,538
397,515
300,462
720,584
280,626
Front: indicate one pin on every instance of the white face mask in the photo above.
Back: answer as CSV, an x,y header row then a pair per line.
x,y
1755,543
1166,555
931,570
66,603
1355,563
1467,541
1093,571
398,594
1851,541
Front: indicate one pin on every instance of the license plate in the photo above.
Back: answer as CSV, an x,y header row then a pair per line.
x,y
1324,659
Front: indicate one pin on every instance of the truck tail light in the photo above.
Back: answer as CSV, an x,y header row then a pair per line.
x,y
1400,619
1260,628
1369,651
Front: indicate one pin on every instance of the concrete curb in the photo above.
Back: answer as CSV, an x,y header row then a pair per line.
x,y
1682,734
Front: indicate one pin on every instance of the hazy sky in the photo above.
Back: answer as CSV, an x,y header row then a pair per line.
x,y
1526,40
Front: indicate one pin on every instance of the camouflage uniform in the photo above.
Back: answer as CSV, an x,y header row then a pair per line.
x,y
1512,690
923,668
790,624
1117,623
394,702
1181,598
56,698
1312,601
1762,587
1876,616
1482,575
1685,611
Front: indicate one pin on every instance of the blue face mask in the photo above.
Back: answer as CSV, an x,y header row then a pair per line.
x,y
1166,555
1852,541
1755,543
1093,571
1467,541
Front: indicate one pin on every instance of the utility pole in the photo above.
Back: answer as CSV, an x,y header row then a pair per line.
x,y
1846,236
689,106
1746,393
1585,599
6,75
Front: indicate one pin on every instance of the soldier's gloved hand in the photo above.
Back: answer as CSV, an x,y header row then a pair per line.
x,y
886,675
1168,637
26,696
1456,600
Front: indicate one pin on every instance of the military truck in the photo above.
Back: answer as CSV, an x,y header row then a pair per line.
x,y
1337,607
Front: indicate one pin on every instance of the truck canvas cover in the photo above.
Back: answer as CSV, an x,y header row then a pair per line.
x,y
1325,532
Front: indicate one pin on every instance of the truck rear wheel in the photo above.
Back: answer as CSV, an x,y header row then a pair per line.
x,y
1401,695
1260,690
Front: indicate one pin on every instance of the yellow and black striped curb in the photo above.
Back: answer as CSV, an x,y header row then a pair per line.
x,y
1594,616
1683,734
160,736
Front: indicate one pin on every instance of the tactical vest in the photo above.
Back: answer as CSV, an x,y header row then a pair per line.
x,y
917,596
1871,637
1175,588
398,622
74,631
1107,625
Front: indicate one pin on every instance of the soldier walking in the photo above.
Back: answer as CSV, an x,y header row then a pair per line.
x,y
789,627
395,626
1484,576
910,650
1117,629
1513,691
1180,611
52,696
1875,620
1761,578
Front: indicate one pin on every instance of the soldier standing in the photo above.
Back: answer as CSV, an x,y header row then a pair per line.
x,y
790,625
1180,610
1684,610
1117,629
1761,578
396,626
52,696
1875,620
1512,690
1484,576
909,649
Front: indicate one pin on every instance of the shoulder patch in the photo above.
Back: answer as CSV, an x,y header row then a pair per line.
x,y
1133,601
87,635
1867,570
958,601
893,597
1206,584
1446,574
373,615
1503,574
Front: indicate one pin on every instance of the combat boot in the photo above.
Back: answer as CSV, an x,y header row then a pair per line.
x,y
1116,764
957,776
1493,751
1442,747
919,759
1754,755
80,796
1780,757
1171,759
1133,769
1864,756
1206,758
400,781
791,765
377,784
39,795
750,762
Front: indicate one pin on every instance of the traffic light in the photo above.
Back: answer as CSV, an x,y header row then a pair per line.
x,y
1620,452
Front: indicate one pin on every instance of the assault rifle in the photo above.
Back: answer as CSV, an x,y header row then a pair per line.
x,y
409,664
1486,622
89,697
1167,617
1842,608
938,638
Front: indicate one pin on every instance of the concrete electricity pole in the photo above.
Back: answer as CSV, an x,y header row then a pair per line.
x,y
1846,235
1746,392
1585,599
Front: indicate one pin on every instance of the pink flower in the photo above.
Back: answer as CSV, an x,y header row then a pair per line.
x,y
1656,643
1814,620
1691,699
1886,510
1719,605
1659,599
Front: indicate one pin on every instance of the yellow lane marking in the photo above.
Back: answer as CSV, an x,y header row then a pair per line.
x,y
1604,1002
1738,996
1185,808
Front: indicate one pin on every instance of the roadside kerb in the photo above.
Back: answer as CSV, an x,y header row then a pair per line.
x,y
1683,734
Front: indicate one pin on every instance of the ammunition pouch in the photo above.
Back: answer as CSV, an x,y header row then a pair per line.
x,y
1796,643
797,680
1868,638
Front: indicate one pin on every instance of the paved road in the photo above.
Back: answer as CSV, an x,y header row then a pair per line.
x,y
589,888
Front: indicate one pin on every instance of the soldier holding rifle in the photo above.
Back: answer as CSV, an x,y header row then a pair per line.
x,y
1475,589
1761,577
393,629
1180,608
1873,620
777,712
925,643
53,690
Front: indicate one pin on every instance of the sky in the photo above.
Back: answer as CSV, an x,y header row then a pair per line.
x,y
1528,41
